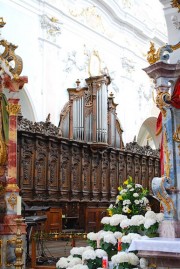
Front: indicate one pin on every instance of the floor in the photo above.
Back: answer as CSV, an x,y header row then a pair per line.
x,y
49,252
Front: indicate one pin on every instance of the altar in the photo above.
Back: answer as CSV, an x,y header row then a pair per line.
x,y
160,251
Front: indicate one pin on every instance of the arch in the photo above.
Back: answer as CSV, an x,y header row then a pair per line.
x,y
147,133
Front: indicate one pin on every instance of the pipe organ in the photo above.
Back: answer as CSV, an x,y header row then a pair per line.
x,y
90,115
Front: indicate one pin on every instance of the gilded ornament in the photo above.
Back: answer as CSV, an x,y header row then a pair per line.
x,y
12,187
176,4
13,109
2,23
153,56
12,200
3,154
167,165
161,101
9,55
176,135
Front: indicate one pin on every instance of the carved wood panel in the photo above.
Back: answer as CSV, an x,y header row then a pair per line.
x,y
113,174
95,175
53,169
40,177
105,176
65,158
86,172
121,168
75,172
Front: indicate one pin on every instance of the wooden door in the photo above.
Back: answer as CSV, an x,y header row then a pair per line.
x,y
93,219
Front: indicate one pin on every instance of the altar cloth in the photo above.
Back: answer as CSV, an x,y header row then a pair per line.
x,y
156,244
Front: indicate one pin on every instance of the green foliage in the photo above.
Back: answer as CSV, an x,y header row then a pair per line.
x,y
130,200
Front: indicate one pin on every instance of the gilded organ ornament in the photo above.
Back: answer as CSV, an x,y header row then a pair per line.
x,y
167,165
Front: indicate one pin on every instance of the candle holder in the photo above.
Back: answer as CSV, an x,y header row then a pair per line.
x,y
19,249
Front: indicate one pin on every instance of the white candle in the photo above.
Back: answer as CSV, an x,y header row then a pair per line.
x,y
18,205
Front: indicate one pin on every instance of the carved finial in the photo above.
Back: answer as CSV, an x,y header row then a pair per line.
x,y
48,118
134,140
2,23
77,83
111,95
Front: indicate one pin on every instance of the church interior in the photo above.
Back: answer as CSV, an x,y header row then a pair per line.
x,y
90,133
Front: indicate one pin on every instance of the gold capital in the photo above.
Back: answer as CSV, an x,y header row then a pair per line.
x,y
13,109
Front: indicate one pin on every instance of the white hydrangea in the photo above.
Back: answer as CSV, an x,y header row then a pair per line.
x,y
133,259
150,215
105,220
110,238
125,223
118,235
77,250
102,233
116,219
143,263
120,257
62,263
129,237
149,222
137,220
75,261
88,254
159,217
100,253
92,236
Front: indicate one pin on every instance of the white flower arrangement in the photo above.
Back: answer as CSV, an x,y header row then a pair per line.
x,y
138,186
124,257
116,219
126,202
150,215
62,263
143,263
129,237
120,257
79,266
77,251
135,194
149,222
159,217
105,220
125,223
129,186
88,255
100,253
74,261
117,235
110,238
102,233
137,220
92,236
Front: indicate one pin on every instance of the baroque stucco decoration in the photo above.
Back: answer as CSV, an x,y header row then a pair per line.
x,y
51,27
